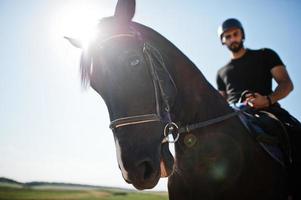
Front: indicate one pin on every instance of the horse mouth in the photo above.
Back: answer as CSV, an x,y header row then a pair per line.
x,y
146,185
142,185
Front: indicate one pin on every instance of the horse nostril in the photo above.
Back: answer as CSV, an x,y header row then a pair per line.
x,y
146,169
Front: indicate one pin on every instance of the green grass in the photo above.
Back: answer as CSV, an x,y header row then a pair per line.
x,y
8,193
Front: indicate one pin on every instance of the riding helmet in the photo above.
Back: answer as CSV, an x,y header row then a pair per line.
x,y
228,24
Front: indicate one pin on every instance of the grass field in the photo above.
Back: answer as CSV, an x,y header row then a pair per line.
x,y
9,193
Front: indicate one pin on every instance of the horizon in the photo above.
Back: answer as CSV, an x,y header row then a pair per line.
x,y
46,182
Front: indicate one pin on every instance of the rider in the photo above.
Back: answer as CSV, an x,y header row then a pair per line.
x,y
254,70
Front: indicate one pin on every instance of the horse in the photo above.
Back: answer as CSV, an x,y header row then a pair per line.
x,y
155,96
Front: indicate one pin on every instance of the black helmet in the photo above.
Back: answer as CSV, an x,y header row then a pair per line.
x,y
228,24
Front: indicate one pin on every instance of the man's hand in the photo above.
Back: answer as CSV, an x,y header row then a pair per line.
x,y
257,100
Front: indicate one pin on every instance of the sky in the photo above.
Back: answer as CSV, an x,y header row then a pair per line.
x,y
53,130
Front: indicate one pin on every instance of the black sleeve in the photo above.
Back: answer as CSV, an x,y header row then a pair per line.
x,y
272,59
220,83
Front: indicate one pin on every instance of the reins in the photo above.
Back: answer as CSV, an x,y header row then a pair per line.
x,y
169,128
209,122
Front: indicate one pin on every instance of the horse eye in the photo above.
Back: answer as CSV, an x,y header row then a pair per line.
x,y
134,62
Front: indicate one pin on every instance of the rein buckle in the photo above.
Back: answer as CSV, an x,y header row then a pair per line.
x,y
170,130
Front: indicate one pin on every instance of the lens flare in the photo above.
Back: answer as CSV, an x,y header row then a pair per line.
x,y
79,19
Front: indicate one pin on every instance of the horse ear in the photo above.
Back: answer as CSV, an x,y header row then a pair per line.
x,y
125,10
75,42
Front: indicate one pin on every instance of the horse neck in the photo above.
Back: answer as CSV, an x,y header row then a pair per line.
x,y
197,99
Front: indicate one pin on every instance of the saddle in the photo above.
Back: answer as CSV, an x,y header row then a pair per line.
x,y
268,130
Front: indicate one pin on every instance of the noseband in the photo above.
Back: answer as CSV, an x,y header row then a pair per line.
x,y
138,119
155,64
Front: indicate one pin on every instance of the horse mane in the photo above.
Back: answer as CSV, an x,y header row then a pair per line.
x,y
164,44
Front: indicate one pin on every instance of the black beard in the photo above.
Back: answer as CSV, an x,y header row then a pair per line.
x,y
237,47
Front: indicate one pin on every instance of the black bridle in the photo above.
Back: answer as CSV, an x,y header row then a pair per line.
x,y
158,73
157,67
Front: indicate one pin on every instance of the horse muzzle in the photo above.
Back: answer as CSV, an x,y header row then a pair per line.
x,y
144,175
146,172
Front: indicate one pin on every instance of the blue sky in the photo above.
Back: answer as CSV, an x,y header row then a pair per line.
x,y
52,130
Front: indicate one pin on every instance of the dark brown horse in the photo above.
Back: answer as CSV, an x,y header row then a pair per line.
x,y
151,88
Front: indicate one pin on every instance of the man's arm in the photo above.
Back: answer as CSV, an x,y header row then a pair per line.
x,y
284,87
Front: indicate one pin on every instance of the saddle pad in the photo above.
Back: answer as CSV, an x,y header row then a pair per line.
x,y
267,142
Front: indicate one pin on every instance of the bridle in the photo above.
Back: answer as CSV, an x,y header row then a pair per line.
x,y
160,74
137,119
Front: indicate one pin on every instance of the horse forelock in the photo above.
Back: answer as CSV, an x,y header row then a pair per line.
x,y
85,68
110,24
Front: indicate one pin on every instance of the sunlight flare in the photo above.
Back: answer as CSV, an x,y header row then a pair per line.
x,y
79,20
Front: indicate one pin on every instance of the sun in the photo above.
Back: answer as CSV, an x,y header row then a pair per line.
x,y
79,19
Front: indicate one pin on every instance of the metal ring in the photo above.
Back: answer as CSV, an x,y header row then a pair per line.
x,y
167,132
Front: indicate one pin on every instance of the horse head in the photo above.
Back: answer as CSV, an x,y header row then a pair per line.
x,y
129,74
